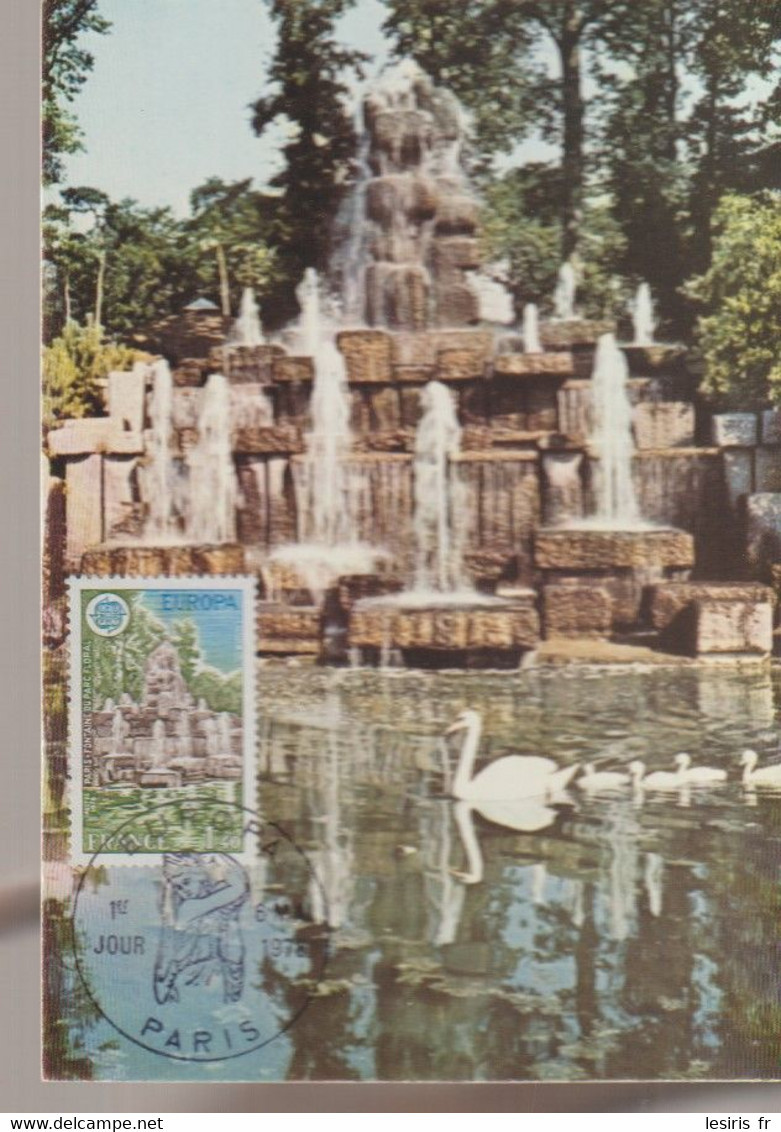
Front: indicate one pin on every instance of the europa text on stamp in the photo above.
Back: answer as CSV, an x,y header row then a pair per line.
x,y
162,709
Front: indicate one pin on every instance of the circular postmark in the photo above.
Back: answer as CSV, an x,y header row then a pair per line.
x,y
107,614
201,956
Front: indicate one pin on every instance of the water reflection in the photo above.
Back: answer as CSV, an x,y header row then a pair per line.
x,y
605,936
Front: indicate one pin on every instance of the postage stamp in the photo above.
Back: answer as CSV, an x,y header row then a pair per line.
x,y
161,709
197,956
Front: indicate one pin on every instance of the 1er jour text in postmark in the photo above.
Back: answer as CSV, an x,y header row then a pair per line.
x,y
161,710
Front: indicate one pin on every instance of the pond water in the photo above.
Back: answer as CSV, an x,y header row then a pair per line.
x,y
625,937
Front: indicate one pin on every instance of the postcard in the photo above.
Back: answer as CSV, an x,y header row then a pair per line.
x,y
412,541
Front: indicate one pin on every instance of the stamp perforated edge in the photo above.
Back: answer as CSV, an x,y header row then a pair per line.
x,y
247,583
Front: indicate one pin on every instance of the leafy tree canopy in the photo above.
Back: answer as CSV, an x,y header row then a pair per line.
x,y
740,329
309,92
65,66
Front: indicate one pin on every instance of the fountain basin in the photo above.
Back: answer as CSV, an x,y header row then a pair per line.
x,y
446,630
594,548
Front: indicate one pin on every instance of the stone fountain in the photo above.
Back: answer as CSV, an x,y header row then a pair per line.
x,y
406,479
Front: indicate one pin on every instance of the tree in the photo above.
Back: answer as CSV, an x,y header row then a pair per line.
x,y
308,76
521,229
638,150
184,638
65,66
236,223
728,41
740,329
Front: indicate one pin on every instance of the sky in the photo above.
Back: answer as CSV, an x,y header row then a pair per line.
x,y
167,103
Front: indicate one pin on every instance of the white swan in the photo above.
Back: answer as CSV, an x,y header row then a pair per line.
x,y
769,776
599,780
525,815
657,779
698,775
515,776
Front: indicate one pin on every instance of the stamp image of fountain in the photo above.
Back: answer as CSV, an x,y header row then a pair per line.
x,y
412,556
162,703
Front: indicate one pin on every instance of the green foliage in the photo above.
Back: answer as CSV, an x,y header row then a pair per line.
x,y
522,229
740,331
231,231
65,66
72,367
184,638
119,662
309,93
221,693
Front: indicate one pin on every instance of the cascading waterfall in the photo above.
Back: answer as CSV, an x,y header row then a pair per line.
x,y
247,329
531,330
158,475
211,511
352,251
439,526
612,437
564,295
643,316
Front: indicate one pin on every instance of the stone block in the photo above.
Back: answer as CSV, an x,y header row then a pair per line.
x,y
276,439
453,255
763,532
734,430
285,630
575,409
119,492
242,364
767,469
401,135
456,214
250,407
459,365
556,364
440,629
92,434
397,295
647,361
738,473
83,503
287,369
185,407
771,426
384,410
584,610
414,197
456,304
542,413
367,355
562,492
412,375
574,333
593,549
421,349
410,406
667,601
731,627
126,391
663,424
191,373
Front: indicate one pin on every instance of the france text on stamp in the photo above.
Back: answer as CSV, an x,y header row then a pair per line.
x,y
162,708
